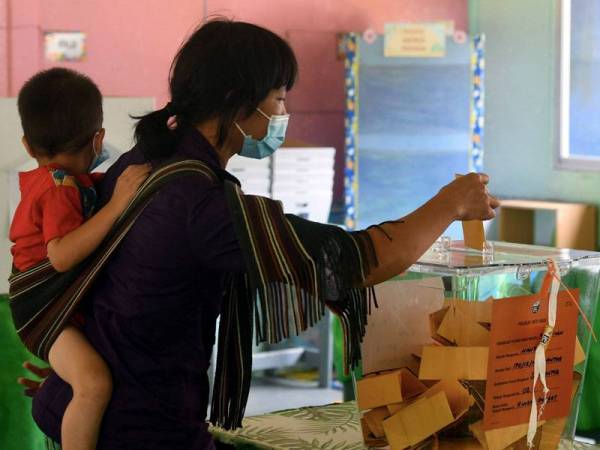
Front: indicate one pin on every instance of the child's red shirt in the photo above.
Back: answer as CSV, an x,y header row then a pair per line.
x,y
53,203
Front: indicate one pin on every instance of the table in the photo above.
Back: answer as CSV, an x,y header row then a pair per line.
x,y
328,427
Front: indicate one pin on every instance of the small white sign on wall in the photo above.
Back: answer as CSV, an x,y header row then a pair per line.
x,y
64,45
416,40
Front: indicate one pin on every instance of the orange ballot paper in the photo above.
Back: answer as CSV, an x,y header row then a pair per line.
x,y
473,231
517,326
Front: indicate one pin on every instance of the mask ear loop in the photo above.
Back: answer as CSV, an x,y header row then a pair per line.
x,y
274,116
263,113
240,128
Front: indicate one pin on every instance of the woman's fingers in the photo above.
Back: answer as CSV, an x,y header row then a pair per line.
x,y
484,178
41,372
494,202
30,384
490,214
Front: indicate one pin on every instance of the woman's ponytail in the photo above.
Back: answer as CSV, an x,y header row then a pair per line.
x,y
158,139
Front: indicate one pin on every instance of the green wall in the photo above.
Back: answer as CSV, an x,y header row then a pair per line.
x,y
522,100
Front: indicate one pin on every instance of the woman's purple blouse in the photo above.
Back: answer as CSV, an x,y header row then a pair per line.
x,y
152,313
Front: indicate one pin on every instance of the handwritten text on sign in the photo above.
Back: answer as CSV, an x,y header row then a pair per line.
x,y
64,46
517,325
424,40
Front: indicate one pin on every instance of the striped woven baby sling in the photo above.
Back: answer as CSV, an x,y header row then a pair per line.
x,y
294,269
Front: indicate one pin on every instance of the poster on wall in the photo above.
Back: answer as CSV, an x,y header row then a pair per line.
x,y
64,46
416,40
413,135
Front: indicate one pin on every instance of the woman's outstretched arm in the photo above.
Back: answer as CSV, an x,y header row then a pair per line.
x,y
401,243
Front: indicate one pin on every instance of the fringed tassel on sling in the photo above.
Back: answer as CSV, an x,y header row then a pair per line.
x,y
343,261
238,304
294,269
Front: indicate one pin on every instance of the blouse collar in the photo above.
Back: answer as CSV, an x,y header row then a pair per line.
x,y
194,145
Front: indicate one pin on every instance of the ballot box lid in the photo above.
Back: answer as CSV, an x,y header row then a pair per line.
x,y
447,257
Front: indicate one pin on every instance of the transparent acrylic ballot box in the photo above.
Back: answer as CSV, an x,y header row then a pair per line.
x,y
450,352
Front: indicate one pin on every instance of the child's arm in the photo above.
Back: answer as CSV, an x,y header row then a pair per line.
x,y
67,251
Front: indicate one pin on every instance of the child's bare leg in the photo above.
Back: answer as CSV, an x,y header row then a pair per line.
x,y
77,362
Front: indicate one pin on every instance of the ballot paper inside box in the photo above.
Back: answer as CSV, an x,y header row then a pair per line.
x,y
448,355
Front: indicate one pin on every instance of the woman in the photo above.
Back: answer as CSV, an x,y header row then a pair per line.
x,y
201,248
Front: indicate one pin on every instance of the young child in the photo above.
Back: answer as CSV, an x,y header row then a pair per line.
x,y
61,115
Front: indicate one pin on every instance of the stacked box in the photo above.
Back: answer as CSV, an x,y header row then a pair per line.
x,y
303,181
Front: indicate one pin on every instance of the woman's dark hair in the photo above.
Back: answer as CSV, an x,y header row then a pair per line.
x,y
60,111
223,68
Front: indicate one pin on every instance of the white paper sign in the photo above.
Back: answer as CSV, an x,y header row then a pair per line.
x,y
420,40
64,46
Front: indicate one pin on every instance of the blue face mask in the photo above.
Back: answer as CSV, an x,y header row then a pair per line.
x,y
98,158
264,148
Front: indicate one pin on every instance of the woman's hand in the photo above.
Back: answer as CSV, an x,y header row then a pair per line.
x,y
32,386
402,243
469,197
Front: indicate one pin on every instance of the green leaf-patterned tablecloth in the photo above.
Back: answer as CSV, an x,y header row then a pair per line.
x,y
329,427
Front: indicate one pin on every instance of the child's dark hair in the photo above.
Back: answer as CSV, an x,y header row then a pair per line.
x,y
60,111
223,68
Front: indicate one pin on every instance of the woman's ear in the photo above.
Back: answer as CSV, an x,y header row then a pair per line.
x,y
243,113
27,147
